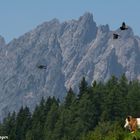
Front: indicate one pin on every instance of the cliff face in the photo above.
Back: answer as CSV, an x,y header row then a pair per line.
x,y
70,50
2,42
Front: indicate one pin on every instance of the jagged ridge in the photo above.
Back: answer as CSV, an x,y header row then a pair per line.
x,y
71,50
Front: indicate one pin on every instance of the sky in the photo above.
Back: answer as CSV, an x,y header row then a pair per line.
x,y
20,16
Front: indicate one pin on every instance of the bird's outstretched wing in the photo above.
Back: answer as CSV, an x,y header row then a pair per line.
x,y
42,67
115,36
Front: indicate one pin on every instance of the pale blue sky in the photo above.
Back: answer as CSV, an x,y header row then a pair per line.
x,y
20,16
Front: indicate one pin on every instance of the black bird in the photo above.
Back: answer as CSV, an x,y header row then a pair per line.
x,y
123,27
115,36
42,67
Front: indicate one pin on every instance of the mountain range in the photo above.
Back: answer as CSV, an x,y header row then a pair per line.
x,y
70,50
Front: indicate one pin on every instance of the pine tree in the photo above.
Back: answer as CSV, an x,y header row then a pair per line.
x,y
51,120
82,87
8,126
23,122
70,98
133,98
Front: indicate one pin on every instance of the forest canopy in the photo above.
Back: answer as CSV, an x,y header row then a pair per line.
x,y
98,111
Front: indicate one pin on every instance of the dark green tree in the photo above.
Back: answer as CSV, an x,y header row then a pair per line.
x,y
133,99
51,120
70,98
23,123
82,87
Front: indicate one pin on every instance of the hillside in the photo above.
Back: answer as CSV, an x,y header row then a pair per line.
x,y
97,112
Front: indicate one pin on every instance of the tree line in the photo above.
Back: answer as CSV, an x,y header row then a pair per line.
x,y
98,111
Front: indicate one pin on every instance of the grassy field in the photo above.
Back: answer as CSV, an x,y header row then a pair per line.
x,y
133,136
118,135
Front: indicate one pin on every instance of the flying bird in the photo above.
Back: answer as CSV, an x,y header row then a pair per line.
x,y
115,36
42,67
123,27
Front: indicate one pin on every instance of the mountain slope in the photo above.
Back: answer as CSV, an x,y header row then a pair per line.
x,y
71,50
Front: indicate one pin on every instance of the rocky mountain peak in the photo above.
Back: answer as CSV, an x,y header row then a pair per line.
x,y
69,50
89,31
2,42
86,17
104,28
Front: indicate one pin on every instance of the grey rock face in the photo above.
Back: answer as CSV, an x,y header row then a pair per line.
x,y
70,50
2,42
